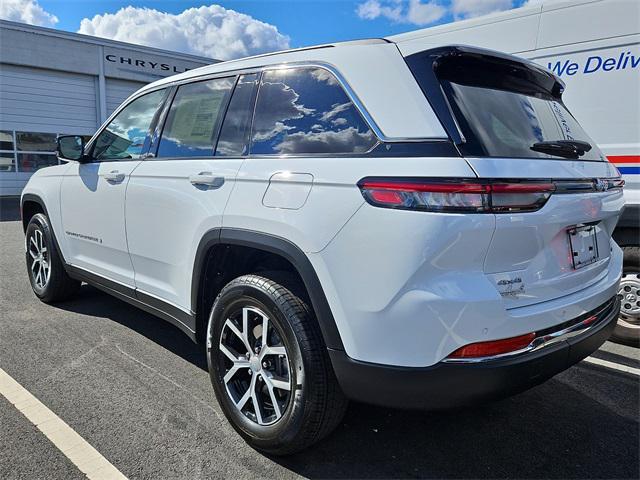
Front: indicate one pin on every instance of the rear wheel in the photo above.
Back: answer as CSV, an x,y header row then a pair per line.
x,y
627,330
269,366
47,275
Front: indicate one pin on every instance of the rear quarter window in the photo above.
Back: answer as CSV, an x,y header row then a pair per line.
x,y
306,111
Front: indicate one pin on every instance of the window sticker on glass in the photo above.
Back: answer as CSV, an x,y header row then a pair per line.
x,y
193,118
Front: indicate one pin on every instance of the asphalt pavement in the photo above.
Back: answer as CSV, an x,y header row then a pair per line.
x,y
138,391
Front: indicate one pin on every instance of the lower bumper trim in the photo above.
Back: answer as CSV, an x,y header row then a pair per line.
x,y
450,385
577,327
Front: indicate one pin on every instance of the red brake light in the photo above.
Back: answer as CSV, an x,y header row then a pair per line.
x,y
456,195
443,187
495,347
387,196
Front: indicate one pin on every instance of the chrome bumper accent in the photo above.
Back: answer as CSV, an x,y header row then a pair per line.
x,y
581,326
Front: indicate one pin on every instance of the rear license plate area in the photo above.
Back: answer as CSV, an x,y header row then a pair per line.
x,y
583,245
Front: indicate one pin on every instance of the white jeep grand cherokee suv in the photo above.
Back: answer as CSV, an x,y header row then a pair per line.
x,y
344,222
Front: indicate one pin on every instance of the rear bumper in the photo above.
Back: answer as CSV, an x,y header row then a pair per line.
x,y
447,385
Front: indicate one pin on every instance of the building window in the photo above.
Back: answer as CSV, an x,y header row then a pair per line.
x,y
7,154
26,151
36,142
7,162
30,162
35,150
6,141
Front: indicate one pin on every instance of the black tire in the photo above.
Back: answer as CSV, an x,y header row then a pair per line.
x,y
315,405
59,286
627,330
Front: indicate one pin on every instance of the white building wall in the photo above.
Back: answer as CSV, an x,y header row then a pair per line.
x,y
54,82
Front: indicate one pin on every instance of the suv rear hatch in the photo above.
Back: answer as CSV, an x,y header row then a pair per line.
x,y
562,198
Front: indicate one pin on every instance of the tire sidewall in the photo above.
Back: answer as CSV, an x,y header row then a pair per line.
x,y
286,428
623,334
40,222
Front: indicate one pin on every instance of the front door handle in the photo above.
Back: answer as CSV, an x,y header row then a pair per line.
x,y
207,179
114,176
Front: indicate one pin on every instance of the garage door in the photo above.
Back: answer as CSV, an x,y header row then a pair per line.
x,y
35,105
117,91
38,100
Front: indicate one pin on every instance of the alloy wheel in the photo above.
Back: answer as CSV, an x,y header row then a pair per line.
x,y
256,369
40,263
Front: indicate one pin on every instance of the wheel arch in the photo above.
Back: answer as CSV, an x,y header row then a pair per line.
x,y
31,204
269,244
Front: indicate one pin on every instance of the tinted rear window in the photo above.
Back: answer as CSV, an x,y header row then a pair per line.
x,y
498,123
504,107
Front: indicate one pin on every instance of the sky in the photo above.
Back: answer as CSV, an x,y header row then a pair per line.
x,y
237,28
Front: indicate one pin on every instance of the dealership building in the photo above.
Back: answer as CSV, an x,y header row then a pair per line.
x,y
54,82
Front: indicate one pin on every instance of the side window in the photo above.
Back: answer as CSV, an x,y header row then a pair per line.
x,y
193,119
127,135
234,136
306,111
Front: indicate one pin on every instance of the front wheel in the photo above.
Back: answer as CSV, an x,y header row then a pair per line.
x,y
49,279
627,330
269,366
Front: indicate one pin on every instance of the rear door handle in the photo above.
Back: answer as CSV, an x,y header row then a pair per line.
x,y
114,176
207,179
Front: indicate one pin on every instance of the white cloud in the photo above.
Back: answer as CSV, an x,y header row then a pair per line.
x,y
416,12
372,9
474,8
26,11
211,31
425,13
346,140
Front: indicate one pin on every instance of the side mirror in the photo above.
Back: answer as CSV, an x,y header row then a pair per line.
x,y
70,147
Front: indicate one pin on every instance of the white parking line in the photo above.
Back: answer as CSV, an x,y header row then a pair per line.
x,y
616,366
88,460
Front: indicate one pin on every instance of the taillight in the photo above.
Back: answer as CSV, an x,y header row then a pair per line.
x,y
456,195
615,183
495,347
509,197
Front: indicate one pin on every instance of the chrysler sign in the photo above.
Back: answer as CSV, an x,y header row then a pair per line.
x,y
143,66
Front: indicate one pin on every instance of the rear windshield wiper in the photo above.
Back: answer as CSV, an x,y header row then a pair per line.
x,y
562,148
